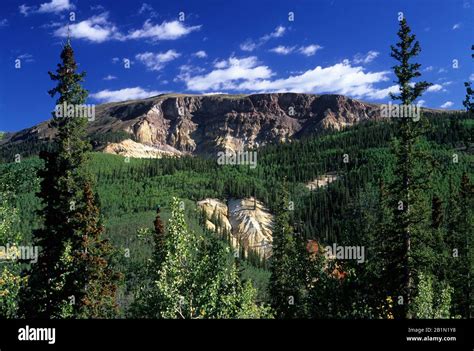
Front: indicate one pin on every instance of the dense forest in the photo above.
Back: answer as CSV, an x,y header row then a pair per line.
x,y
345,212
123,237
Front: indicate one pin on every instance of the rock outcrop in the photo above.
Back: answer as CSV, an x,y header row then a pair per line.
x,y
206,124
130,148
321,181
248,221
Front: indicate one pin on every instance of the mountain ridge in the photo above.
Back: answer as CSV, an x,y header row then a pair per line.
x,y
204,124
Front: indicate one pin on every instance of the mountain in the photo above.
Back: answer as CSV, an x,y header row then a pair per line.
x,y
202,124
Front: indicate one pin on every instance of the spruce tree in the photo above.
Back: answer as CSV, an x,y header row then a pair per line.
x,y
469,99
286,264
407,202
72,254
460,235
159,238
99,298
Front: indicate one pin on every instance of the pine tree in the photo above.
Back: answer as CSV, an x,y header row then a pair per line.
x,y
159,238
93,262
409,183
286,264
460,229
467,103
469,100
57,283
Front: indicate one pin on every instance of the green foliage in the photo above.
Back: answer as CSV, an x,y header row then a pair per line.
x,y
468,102
10,279
195,278
72,277
406,229
427,304
287,265
349,211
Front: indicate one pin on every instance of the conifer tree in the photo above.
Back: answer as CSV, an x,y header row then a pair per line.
x,y
72,253
460,235
159,238
469,99
407,202
99,298
286,264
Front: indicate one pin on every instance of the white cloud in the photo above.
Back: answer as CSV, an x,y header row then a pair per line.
x,y
26,57
434,88
310,49
123,94
115,59
185,71
251,45
441,70
447,104
148,10
221,64
96,29
200,54
25,10
55,6
282,50
421,103
3,22
110,77
278,32
428,69
97,8
51,25
156,61
380,94
248,45
164,31
99,29
457,26
246,74
471,77
305,50
367,58
227,74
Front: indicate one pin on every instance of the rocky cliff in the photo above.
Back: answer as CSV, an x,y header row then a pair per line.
x,y
209,123
248,221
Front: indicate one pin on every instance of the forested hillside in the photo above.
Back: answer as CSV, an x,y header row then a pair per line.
x,y
346,212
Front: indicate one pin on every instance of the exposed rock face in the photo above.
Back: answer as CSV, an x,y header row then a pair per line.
x,y
321,181
130,148
214,207
252,225
211,123
249,222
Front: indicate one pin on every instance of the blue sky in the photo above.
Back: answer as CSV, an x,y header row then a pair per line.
x,y
233,46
